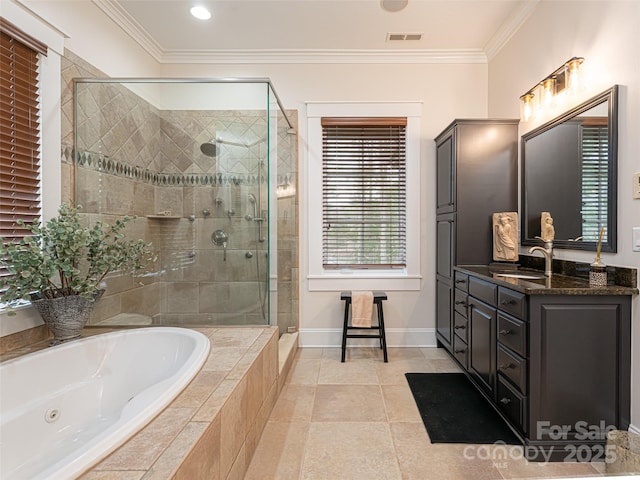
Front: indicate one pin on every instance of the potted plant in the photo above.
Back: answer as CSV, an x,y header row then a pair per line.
x,y
60,268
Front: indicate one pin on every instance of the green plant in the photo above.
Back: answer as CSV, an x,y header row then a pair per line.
x,y
63,258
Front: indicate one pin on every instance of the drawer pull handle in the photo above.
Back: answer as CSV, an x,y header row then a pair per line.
x,y
459,327
505,332
461,350
461,302
508,302
505,401
507,366
461,281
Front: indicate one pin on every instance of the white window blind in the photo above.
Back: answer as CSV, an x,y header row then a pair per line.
x,y
595,178
19,131
364,192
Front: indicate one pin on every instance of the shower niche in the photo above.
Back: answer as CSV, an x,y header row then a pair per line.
x,y
190,159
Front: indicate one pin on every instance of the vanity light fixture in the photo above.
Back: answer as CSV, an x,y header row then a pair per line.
x,y
574,79
527,105
200,12
548,91
543,94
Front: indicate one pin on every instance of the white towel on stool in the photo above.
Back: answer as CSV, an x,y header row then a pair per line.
x,y
361,309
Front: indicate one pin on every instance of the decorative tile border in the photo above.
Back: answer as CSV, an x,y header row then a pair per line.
x,y
103,163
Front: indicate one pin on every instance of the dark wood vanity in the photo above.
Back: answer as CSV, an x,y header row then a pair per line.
x,y
477,172
552,355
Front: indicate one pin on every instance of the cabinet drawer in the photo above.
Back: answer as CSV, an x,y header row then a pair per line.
x,y
485,291
512,302
460,302
460,351
461,281
513,367
460,326
512,333
512,404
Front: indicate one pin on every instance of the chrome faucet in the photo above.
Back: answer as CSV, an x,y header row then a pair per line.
x,y
547,252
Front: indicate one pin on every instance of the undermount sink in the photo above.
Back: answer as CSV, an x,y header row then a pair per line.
x,y
521,275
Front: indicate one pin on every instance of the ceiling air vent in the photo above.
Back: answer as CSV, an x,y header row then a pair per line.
x,y
403,36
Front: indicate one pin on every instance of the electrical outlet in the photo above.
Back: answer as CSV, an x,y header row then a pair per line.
x,y
635,244
636,185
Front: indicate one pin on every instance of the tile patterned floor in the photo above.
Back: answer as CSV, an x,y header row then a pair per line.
x,y
358,420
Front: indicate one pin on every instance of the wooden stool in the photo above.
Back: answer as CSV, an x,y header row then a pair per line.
x,y
378,297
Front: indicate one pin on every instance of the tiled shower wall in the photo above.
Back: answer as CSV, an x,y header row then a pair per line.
x,y
135,159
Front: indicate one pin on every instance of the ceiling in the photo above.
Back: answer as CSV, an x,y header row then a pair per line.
x,y
289,31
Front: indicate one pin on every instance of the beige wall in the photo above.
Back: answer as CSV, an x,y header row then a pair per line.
x,y
606,34
446,91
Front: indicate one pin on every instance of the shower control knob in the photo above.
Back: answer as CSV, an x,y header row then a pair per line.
x,y
248,254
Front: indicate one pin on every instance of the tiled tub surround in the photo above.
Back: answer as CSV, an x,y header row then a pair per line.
x,y
211,430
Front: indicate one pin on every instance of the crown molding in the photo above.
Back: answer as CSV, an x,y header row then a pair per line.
x,y
322,56
509,28
130,26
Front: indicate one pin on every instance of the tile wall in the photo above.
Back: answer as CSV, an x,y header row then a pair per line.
x,y
135,159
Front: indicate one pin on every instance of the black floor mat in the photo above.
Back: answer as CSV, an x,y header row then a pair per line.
x,y
453,411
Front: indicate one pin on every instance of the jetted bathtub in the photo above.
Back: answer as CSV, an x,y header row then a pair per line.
x,y
64,408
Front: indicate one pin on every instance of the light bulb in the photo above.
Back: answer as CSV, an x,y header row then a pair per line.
x,y
548,91
573,73
527,99
200,12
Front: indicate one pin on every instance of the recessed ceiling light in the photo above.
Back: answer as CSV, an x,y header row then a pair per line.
x,y
200,12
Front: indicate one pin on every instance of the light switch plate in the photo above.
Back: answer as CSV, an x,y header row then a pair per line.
x,y
636,185
636,239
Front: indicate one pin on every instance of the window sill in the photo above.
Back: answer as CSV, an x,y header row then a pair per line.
x,y
357,280
25,317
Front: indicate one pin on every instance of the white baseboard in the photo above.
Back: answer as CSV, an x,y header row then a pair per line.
x,y
634,429
396,337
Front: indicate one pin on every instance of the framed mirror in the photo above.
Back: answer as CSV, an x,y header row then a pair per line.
x,y
569,169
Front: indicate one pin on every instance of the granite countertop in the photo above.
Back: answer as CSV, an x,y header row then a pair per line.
x,y
557,284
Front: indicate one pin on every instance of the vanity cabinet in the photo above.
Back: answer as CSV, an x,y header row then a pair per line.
x,y
555,363
476,175
482,347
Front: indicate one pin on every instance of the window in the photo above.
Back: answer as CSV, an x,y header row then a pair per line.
x,y
19,131
363,193
595,177
396,264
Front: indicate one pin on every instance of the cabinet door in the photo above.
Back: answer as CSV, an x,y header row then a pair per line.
x,y
482,344
580,349
445,165
445,235
443,312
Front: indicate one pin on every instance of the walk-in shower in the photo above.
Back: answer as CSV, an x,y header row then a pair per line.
x,y
200,164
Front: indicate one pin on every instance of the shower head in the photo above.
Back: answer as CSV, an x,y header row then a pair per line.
x,y
252,198
210,148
